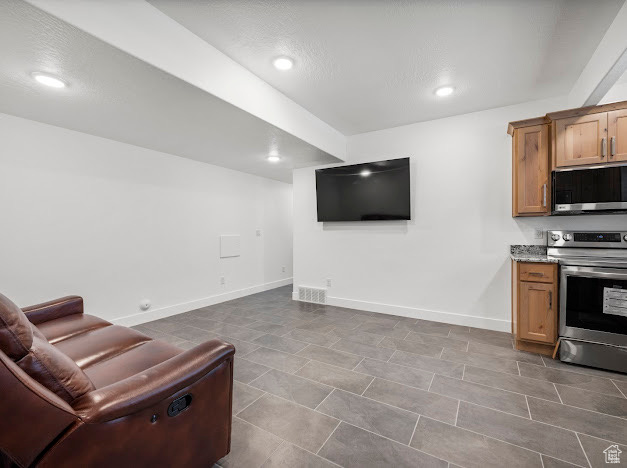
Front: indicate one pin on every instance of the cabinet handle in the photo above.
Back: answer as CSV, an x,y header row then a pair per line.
x,y
603,147
550,300
612,146
534,273
544,195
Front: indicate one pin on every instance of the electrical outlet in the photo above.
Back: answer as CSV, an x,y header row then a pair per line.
x,y
258,232
538,234
222,280
283,269
329,282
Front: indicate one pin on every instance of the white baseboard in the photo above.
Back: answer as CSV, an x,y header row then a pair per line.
x,y
424,314
150,315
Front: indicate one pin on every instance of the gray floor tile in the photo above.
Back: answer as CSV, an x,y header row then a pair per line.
x,y
549,462
499,352
239,320
490,337
451,369
246,371
239,333
383,354
193,334
296,424
371,415
480,360
316,327
174,340
335,377
330,356
382,319
359,337
162,325
243,395
385,330
271,328
242,348
249,446
352,447
293,388
186,345
579,420
614,406
244,313
536,436
495,398
401,374
469,449
312,337
291,456
595,447
583,381
412,347
437,341
427,327
276,359
280,343
513,383
622,386
340,323
557,364
202,323
413,399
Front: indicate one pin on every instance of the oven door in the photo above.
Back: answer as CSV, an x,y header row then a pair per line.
x,y
593,304
590,189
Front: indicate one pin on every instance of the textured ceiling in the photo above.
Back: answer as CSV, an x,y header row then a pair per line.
x,y
116,96
367,65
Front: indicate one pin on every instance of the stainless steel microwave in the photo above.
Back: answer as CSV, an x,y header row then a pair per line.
x,y
590,190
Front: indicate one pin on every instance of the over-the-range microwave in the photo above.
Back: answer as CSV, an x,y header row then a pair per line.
x,y
590,190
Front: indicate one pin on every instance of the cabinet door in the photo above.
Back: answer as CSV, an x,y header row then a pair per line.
x,y
581,140
537,319
617,134
531,170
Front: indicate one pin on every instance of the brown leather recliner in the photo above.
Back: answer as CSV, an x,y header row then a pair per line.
x,y
76,390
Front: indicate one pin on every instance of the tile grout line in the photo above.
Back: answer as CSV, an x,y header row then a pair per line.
x,y
327,439
273,452
616,385
583,450
528,409
357,365
414,431
328,395
362,393
430,383
254,401
459,402
558,393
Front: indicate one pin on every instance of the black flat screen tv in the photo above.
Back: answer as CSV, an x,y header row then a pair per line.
x,y
376,191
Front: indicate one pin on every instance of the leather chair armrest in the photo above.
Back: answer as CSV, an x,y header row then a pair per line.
x,y
153,385
55,309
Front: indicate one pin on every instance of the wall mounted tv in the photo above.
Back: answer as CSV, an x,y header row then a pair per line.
x,y
375,191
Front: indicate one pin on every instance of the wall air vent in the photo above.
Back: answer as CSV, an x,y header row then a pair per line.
x,y
315,295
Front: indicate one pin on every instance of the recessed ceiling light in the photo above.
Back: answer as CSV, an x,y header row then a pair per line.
x,y
444,91
283,63
273,159
48,80
365,173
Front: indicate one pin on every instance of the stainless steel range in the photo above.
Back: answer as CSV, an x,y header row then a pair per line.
x,y
593,297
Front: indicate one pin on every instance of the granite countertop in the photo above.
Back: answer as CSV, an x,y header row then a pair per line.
x,y
530,253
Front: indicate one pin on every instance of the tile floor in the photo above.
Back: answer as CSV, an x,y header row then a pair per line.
x,y
325,386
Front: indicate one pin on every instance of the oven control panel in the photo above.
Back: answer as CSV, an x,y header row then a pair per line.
x,y
589,239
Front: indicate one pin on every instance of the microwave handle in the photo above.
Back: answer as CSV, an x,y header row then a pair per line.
x,y
603,147
544,195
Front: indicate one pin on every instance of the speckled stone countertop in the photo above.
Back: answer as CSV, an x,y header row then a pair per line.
x,y
530,253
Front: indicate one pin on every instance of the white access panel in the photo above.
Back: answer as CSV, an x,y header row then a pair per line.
x,y
229,246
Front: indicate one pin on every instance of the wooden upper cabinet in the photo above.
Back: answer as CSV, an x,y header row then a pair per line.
x,y
537,317
531,170
581,140
617,135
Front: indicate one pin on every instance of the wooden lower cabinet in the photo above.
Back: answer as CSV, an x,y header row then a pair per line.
x,y
534,306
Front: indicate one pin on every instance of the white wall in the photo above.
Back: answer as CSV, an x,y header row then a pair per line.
x,y
451,261
117,223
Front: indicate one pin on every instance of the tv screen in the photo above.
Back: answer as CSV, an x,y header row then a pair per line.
x,y
364,192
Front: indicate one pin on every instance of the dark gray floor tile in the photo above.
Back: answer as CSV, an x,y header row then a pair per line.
x,y
202,323
239,333
504,353
250,446
495,398
622,386
401,374
413,399
583,381
469,449
480,360
274,319
311,337
271,328
288,456
371,415
163,325
244,313
316,327
437,341
330,356
352,447
490,337
382,319
281,344
385,330
194,334
614,406
383,354
243,395
427,327
359,337
595,449
242,348
277,360
239,320
247,371
412,347
452,369
536,436
579,420
557,364
339,323
150,332
335,377
513,383
296,424
293,388
186,345
549,462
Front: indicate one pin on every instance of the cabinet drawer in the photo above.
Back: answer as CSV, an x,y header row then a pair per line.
x,y
536,272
